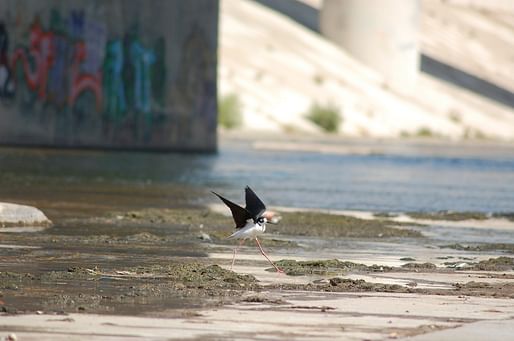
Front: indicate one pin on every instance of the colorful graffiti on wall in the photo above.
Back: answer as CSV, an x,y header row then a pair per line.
x,y
73,67
6,81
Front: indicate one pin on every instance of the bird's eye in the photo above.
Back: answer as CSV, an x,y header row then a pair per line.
x,y
260,220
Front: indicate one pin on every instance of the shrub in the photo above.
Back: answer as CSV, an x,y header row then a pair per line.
x,y
424,132
325,116
230,111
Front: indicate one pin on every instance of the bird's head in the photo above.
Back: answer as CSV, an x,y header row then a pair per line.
x,y
271,217
262,220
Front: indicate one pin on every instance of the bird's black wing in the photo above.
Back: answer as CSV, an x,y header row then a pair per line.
x,y
240,214
254,205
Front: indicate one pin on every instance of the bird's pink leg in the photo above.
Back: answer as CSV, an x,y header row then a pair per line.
x,y
235,251
269,260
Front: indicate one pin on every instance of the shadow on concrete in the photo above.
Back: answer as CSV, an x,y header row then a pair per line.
x,y
298,11
466,80
308,17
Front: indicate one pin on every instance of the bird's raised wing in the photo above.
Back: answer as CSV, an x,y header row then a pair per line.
x,y
240,214
254,205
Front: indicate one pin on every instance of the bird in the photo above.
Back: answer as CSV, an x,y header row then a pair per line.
x,y
250,221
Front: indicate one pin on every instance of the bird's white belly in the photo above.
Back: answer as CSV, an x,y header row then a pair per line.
x,y
250,230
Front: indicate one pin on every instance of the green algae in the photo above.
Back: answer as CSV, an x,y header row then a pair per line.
x,y
338,284
346,284
497,290
95,265
449,215
419,266
385,215
145,286
323,267
495,264
193,217
505,215
219,226
491,264
329,226
506,247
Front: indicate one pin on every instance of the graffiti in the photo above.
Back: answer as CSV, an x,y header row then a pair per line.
x,y
81,82
37,59
158,76
76,24
57,84
78,73
72,58
6,82
199,83
113,82
142,60
95,39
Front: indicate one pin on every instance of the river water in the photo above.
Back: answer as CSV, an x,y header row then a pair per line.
x,y
327,174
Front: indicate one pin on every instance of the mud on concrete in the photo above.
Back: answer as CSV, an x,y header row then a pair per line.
x,y
449,215
338,284
131,290
324,267
297,223
145,288
141,260
328,226
341,284
505,247
334,266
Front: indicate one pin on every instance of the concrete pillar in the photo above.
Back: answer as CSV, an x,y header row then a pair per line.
x,y
129,74
381,34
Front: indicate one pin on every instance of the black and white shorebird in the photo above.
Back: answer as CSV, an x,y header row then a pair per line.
x,y
250,221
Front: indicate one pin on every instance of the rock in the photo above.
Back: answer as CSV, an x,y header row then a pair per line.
x,y
205,237
21,215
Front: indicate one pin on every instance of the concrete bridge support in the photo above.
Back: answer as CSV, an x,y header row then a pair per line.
x,y
381,34
133,74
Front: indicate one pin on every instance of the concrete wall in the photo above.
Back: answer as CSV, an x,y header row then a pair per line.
x,y
381,34
109,73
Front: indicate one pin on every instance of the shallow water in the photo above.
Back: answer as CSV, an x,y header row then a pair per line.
x,y
393,176
392,179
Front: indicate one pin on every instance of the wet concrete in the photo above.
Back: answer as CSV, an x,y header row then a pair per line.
x,y
153,259
131,262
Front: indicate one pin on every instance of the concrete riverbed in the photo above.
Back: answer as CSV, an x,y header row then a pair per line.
x,y
128,274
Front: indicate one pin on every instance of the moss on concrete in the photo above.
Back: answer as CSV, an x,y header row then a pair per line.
x,y
419,266
323,267
495,264
448,215
329,225
149,286
506,247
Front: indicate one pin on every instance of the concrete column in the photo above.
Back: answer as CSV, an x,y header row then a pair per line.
x,y
381,34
